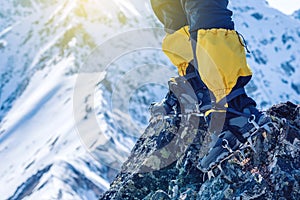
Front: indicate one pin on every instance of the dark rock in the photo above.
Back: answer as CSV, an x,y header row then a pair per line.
x,y
158,195
163,163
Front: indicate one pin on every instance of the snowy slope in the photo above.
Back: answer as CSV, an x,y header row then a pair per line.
x,y
273,40
67,121
296,14
42,154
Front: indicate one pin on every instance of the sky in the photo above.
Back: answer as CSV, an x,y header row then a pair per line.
x,y
285,6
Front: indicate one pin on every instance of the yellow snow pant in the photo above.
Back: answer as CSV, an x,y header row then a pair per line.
x,y
221,60
177,46
220,57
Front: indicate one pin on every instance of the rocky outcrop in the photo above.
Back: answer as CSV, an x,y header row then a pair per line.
x,y
162,164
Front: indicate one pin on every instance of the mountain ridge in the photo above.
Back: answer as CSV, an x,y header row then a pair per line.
x,y
270,170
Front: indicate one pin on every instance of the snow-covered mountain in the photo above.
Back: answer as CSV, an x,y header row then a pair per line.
x,y
77,77
272,38
296,14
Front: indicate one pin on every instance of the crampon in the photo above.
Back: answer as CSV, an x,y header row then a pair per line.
x,y
237,150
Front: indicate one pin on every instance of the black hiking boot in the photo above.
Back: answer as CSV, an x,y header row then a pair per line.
x,y
186,95
236,135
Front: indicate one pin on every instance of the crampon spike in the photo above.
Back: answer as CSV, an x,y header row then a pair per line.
x,y
220,168
267,128
242,154
210,174
249,140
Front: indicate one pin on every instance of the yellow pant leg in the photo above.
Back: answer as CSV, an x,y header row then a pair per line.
x,y
177,46
221,60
